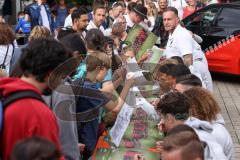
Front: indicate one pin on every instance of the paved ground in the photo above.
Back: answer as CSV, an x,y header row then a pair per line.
x,y
227,93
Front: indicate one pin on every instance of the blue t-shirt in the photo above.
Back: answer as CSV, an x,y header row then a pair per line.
x,y
88,109
25,25
61,16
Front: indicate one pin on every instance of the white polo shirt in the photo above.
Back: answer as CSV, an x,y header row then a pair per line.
x,y
180,43
198,54
92,25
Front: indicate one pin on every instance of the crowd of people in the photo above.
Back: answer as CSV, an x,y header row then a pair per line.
x,y
57,88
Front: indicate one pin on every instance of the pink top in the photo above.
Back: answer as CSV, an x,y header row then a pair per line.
x,y
187,12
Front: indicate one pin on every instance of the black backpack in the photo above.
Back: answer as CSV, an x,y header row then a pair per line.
x,y
4,102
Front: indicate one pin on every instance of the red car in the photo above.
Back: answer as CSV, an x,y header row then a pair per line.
x,y
219,27
225,57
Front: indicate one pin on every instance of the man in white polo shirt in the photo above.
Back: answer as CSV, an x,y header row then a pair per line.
x,y
180,42
99,15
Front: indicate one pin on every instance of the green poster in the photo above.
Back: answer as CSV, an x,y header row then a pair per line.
x,y
141,40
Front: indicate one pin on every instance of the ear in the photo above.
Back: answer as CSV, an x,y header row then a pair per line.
x,y
173,80
77,54
178,20
172,119
75,21
99,68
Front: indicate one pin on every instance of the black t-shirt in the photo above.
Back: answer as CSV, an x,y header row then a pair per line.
x,y
64,31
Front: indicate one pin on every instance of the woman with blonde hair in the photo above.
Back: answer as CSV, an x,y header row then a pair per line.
x,y
39,32
204,107
151,14
7,38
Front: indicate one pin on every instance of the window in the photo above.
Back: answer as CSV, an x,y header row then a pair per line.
x,y
229,18
202,20
208,18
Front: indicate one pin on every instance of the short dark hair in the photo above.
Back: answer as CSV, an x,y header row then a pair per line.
x,y
171,9
77,13
181,128
64,31
187,142
95,8
94,39
131,5
174,103
179,70
21,13
35,148
99,2
193,149
178,59
182,137
190,79
71,6
74,42
42,56
165,68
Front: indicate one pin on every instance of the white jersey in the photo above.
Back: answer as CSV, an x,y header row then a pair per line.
x,y
180,43
92,25
68,21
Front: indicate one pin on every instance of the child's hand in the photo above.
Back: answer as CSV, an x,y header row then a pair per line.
x,y
161,126
148,23
81,147
144,57
20,31
2,19
130,81
155,101
119,73
122,73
